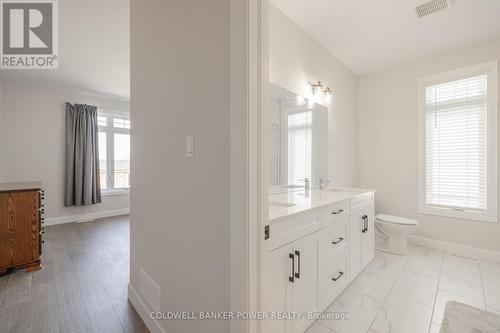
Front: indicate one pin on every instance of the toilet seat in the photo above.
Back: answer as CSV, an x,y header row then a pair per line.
x,y
395,219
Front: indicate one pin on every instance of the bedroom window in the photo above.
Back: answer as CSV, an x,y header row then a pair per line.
x,y
114,150
459,144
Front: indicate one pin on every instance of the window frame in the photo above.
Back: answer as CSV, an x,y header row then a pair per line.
x,y
110,131
491,213
308,127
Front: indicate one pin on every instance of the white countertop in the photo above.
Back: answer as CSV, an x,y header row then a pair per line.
x,y
285,204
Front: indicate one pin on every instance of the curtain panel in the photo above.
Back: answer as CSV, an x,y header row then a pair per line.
x,y
82,183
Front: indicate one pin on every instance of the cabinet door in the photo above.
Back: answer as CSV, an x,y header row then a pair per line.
x,y
333,239
367,241
356,225
305,287
6,232
333,278
278,272
23,207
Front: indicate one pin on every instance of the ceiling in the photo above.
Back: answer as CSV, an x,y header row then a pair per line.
x,y
94,48
371,35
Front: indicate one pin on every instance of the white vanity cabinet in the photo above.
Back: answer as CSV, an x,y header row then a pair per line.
x,y
276,292
361,240
361,225
333,255
306,296
291,284
311,257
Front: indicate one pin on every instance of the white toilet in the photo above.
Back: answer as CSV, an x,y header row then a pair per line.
x,y
396,229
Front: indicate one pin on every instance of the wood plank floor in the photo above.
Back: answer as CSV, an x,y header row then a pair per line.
x,y
82,286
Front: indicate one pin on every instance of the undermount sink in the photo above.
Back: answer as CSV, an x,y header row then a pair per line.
x,y
280,204
339,190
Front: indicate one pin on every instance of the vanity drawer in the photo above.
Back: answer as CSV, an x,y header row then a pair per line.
x,y
333,239
291,228
361,202
335,212
333,279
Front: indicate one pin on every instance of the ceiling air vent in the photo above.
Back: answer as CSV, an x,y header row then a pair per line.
x,y
431,7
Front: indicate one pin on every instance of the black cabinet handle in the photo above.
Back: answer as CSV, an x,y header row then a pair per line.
x,y
297,275
291,278
365,223
338,276
338,212
340,240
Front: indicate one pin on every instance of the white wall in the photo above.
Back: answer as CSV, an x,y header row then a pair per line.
x,y
296,58
388,157
32,142
180,207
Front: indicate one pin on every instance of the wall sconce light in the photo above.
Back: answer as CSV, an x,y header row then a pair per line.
x,y
328,96
316,87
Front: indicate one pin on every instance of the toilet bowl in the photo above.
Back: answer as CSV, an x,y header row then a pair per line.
x,y
397,230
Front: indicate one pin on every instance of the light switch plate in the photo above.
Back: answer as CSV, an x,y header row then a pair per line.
x,y
190,146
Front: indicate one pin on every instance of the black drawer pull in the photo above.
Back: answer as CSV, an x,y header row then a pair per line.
x,y
338,212
338,276
340,240
297,275
291,278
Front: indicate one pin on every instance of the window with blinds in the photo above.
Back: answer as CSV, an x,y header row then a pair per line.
x,y
459,134
456,114
299,146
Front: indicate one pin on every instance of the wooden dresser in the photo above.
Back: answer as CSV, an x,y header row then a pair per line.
x,y
21,218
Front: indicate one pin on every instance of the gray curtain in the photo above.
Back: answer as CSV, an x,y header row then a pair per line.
x,y
82,156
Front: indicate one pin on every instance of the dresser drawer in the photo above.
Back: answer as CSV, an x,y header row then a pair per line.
x,y
291,228
333,238
333,278
361,202
335,212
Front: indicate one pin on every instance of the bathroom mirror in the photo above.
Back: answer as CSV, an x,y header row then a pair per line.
x,y
298,141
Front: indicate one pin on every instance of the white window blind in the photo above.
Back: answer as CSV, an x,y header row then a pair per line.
x,y
456,151
299,146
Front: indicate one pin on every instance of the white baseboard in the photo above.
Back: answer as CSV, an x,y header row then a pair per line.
x,y
86,217
457,249
143,311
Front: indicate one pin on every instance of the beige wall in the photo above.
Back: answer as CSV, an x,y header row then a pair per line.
x,y
388,144
180,207
32,141
296,58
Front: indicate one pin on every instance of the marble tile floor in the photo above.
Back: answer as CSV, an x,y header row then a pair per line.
x,y
408,294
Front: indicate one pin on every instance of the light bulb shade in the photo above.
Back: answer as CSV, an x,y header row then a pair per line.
x,y
328,96
310,104
301,100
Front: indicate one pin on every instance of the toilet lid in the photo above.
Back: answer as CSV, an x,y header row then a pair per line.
x,y
395,219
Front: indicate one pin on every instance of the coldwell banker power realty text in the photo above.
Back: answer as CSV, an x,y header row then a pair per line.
x,y
29,34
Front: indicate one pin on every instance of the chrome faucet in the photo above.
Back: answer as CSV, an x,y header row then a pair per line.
x,y
323,182
307,183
